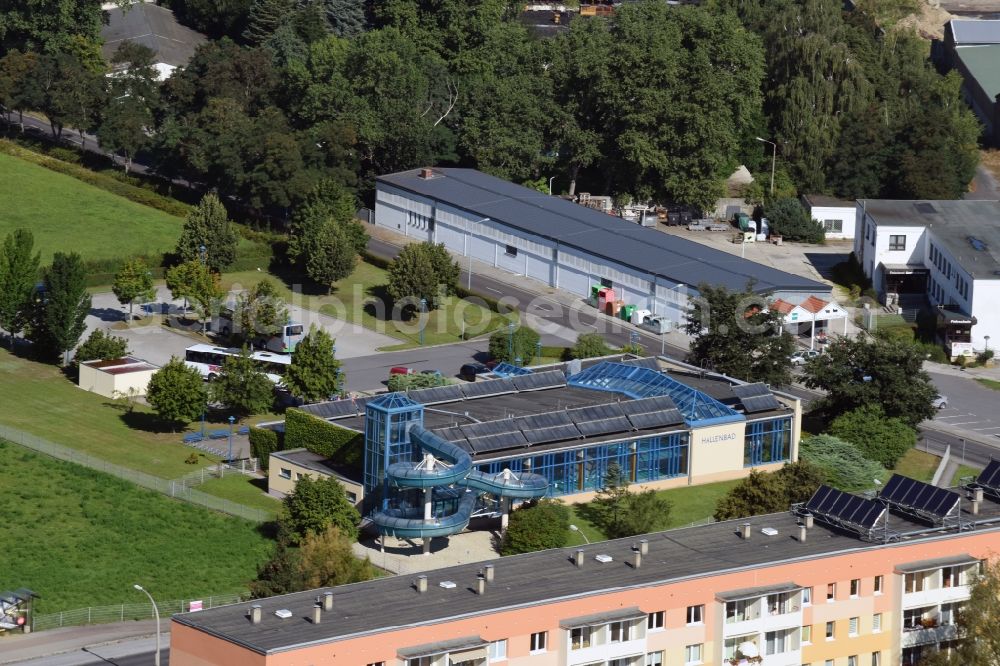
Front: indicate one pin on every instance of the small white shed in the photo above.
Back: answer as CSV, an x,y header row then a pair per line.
x,y
837,216
116,376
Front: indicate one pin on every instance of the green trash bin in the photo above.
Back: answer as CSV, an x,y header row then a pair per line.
x,y
594,290
626,312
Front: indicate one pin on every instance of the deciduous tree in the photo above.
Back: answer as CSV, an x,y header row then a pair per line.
x,y
260,311
326,559
133,282
590,345
877,437
208,226
100,346
316,504
194,282
241,386
523,344
769,492
535,526
314,373
177,393
323,242
423,271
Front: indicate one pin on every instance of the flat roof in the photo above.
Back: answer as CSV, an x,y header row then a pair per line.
x,y
975,31
672,257
969,230
316,462
983,63
120,366
154,27
392,603
828,201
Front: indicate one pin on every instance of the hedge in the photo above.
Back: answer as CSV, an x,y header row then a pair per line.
x,y
304,430
263,442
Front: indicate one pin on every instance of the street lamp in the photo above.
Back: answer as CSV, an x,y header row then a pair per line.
x,y
550,185
203,254
576,529
510,340
156,612
232,420
986,339
423,320
774,155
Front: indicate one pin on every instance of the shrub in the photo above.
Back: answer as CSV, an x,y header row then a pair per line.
x,y
523,345
322,438
876,436
316,504
536,526
417,381
590,345
789,219
842,464
192,459
263,442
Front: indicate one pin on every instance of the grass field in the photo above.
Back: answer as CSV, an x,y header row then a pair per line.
x,y
39,399
917,464
989,383
81,538
66,214
964,471
348,300
244,490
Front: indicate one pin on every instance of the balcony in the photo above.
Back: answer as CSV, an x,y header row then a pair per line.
x,y
791,658
606,652
938,595
787,617
925,635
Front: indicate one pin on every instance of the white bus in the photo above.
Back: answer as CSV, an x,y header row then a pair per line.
x,y
284,340
208,360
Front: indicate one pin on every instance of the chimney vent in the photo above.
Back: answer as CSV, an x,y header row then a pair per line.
x,y
808,518
480,585
803,530
488,572
636,558
745,531
328,601
975,508
977,494
317,613
426,173
644,546
255,614
421,584
578,557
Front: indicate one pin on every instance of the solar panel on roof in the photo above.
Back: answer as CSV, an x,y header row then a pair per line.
x,y
596,412
435,394
760,403
750,390
647,405
666,417
553,434
604,426
907,493
990,477
451,433
507,440
486,428
844,508
546,420
648,362
490,387
539,380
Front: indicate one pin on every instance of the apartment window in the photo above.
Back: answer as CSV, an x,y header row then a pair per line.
x,y
539,641
807,634
654,620
897,242
852,626
351,497
510,251
623,661
852,660
285,473
879,580
876,659
695,614
829,631
828,662
620,631
833,226
498,650
952,577
876,623
831,592
776,642
420,661
692,654
855,587
654,658
913,582
741,610
579,638
807,596
377,663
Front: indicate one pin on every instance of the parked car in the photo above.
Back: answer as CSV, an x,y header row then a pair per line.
x,y
800,357
469,371
940,401
401,370
436,373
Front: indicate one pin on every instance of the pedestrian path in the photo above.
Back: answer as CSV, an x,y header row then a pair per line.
x,y
23,647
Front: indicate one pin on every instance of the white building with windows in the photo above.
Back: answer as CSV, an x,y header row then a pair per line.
x,y
564,245
836,215
942,253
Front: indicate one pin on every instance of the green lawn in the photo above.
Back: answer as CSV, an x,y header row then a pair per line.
x,y
964,471
349,298
81,538
989,383
66,214
39,399
918,465
242,489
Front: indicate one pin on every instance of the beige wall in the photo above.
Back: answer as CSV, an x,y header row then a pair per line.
x,y
108,385
281,486
717,449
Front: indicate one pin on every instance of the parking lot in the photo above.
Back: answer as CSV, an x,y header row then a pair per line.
x,y
971,407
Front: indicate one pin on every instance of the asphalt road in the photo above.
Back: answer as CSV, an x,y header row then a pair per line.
x,y
971,406
126,652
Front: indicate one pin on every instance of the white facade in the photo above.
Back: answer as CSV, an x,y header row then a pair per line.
x,y
880,248
501,246
837,221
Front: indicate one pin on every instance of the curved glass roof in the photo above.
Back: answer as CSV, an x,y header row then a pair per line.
x,y
393,402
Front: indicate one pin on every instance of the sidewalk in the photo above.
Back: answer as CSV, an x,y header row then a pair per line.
x,y
955,371
22,647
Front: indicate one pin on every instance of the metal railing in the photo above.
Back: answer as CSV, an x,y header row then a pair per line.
x,y
123,612
179,489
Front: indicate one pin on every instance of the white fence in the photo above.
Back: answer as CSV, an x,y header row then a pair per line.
x,y
123,612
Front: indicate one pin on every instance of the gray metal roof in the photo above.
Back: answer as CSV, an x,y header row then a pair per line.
x,y
969,230
676,259
975,31
393,603
152,26
813,200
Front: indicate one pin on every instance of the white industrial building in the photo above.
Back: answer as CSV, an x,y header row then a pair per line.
x,y
564,245
945,251
836,215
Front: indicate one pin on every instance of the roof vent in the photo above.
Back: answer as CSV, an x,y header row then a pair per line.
x,y
977,244
283,613
255,614
925,208
426,173
769,531
604,559
447,584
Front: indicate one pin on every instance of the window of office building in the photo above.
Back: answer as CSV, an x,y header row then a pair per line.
x,y
767,442
831,591
654,620
695,614
855,587
692,654
579,638
897,242
539,641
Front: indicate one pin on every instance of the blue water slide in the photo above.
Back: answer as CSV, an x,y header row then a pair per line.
x,y
456,470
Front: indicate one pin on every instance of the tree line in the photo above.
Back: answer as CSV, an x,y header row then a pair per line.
x,y
656,102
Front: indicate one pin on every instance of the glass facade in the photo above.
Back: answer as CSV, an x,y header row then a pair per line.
x,y
768,442
582,470
387,422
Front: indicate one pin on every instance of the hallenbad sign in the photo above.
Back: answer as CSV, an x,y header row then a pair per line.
x,y
720,437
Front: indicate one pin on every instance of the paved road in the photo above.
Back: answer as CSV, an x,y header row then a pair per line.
x,y
971,406
984,185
